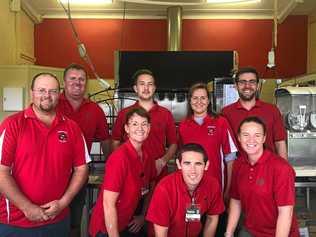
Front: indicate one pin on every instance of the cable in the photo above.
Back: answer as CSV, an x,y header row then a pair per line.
x,y
82,49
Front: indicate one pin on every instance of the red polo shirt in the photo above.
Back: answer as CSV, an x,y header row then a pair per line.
x,y
90,118
162,130
270,115
216,138
125,174
261,189
171,198
41,159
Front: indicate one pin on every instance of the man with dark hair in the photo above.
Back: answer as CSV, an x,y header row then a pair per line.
x,y
92,121
43,165
181,199
247,85
162,132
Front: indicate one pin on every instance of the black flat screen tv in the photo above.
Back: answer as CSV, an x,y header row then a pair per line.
x,y
174,70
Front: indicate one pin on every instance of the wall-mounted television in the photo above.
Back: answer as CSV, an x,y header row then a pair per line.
x,y
174,70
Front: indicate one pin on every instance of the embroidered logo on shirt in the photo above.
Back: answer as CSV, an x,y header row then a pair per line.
x,y
260,181
211,130
62,136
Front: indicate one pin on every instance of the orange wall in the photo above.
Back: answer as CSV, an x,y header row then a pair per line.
x,y
55,45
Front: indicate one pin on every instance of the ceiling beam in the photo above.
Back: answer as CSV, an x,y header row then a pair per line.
x,y
31,12
288,9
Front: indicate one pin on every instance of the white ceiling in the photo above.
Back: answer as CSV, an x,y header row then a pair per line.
x,y
264,9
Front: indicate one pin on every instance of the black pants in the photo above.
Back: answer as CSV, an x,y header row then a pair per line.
x,y
76,207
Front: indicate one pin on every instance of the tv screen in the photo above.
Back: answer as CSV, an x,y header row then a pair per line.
x,y
175,70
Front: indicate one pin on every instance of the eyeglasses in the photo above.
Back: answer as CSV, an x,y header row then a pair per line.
x,y
250,82
43,91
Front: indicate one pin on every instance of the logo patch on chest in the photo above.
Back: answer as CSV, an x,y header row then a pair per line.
x,y
260,182
62,136
211,130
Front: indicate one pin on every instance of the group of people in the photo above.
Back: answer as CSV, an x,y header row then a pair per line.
x,y
235,161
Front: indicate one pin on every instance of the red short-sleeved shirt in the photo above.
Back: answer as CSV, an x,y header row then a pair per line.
x,y
41,159
171,198
216,138
162,130
90,118
261,188
126,175
270,115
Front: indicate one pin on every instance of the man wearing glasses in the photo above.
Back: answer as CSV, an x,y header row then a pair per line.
x,y
247,85
43,164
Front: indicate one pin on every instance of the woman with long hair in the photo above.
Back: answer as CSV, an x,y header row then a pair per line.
x,y
213,132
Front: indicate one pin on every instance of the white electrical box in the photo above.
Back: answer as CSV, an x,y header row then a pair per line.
x,y
12,99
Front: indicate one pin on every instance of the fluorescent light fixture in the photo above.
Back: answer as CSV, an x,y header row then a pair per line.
x,y
86,1
231,1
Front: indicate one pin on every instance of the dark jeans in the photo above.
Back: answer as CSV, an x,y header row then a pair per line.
x,y
76,207
100,234
59,229
221,226
244,233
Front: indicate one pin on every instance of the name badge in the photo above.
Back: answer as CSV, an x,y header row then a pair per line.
x,y
193,213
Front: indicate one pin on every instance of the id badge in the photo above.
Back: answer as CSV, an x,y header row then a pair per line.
x,y
193,213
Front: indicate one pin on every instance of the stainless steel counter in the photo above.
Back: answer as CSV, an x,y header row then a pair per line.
x,y
304,179
305,171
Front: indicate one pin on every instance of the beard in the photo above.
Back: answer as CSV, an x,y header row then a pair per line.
x,y
247,97
47,106
146,97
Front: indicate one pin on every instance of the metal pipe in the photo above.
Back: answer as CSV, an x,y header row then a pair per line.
x,y
174,28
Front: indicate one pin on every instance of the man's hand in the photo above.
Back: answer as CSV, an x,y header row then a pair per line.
x,y
53,208
160,164
35,213
136,224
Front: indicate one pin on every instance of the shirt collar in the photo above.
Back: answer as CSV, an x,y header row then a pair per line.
x,y
258,104
62,97
206,119
183,187
155,106
263,158
132,151
29,113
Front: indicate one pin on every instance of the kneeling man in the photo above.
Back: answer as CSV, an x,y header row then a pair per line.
x,y
183,199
